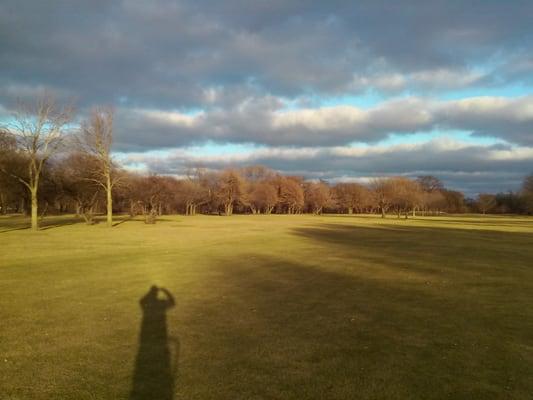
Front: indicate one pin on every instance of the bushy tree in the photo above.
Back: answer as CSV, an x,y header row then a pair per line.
x,y
229,189
352,197
317,196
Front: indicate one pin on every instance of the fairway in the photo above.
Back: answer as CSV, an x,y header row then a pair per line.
x,y
268,307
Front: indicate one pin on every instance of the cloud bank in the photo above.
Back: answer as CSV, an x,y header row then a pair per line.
x,y
289,76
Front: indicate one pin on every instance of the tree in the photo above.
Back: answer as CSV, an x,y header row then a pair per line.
x,y
290,193
9,163
527,185
96,141
433,201
429,183
155,191
38,129
317,196
511,202
260,196
384,191
406,195
74,173
454,201
485,202
229,189
527,193
352,196
257,173
192,194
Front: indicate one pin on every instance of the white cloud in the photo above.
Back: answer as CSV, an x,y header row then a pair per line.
x,y
264,121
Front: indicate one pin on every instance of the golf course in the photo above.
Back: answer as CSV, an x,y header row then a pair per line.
x,y
267,307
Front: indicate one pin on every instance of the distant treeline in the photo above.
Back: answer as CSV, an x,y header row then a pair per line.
x,y
42,173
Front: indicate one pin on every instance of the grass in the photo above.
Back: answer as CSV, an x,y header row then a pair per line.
x,y
268,307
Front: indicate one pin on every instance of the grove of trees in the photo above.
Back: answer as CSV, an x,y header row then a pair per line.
x,y
47,169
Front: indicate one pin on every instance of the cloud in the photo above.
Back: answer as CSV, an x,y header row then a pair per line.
x,y
190,72
462,166
266,121
163,54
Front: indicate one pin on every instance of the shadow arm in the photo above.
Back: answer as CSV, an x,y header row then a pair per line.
x,y
170,299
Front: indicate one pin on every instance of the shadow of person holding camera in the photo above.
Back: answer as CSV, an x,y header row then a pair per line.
x,y
156,362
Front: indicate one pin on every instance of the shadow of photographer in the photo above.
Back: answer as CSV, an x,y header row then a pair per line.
x,y
157,357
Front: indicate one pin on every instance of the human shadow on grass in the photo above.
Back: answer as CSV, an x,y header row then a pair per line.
x,y
156,362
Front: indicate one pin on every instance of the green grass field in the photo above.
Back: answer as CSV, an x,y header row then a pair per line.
x,y
268,307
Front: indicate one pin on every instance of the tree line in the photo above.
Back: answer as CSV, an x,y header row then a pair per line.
x,y
48,166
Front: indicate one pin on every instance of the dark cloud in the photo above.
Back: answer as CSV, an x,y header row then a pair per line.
x,y
187,72
266,121
470,168
166,54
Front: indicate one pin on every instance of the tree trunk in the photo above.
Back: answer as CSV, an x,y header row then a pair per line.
x,y
22,206
228,209
382,212
109,202
34,210
2,202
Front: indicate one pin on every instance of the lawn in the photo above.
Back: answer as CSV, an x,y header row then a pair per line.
x,y
268,307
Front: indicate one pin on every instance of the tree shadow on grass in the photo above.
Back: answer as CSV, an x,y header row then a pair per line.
x,y
45,225
124,219
15,229
157,357
23,223
286,327
368,312
138,218
441,250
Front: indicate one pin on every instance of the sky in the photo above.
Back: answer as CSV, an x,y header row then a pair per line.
x,y
336,90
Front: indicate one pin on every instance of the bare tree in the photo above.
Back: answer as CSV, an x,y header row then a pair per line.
x,y
291,193
384,191
317,196
485,202
192,194
433,202
38,129
527,193
454,201
8,165
352,196
96,141
229,189
407,195
74,173
262,197
429,183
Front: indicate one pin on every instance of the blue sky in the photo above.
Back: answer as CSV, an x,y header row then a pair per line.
x,y
332,90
